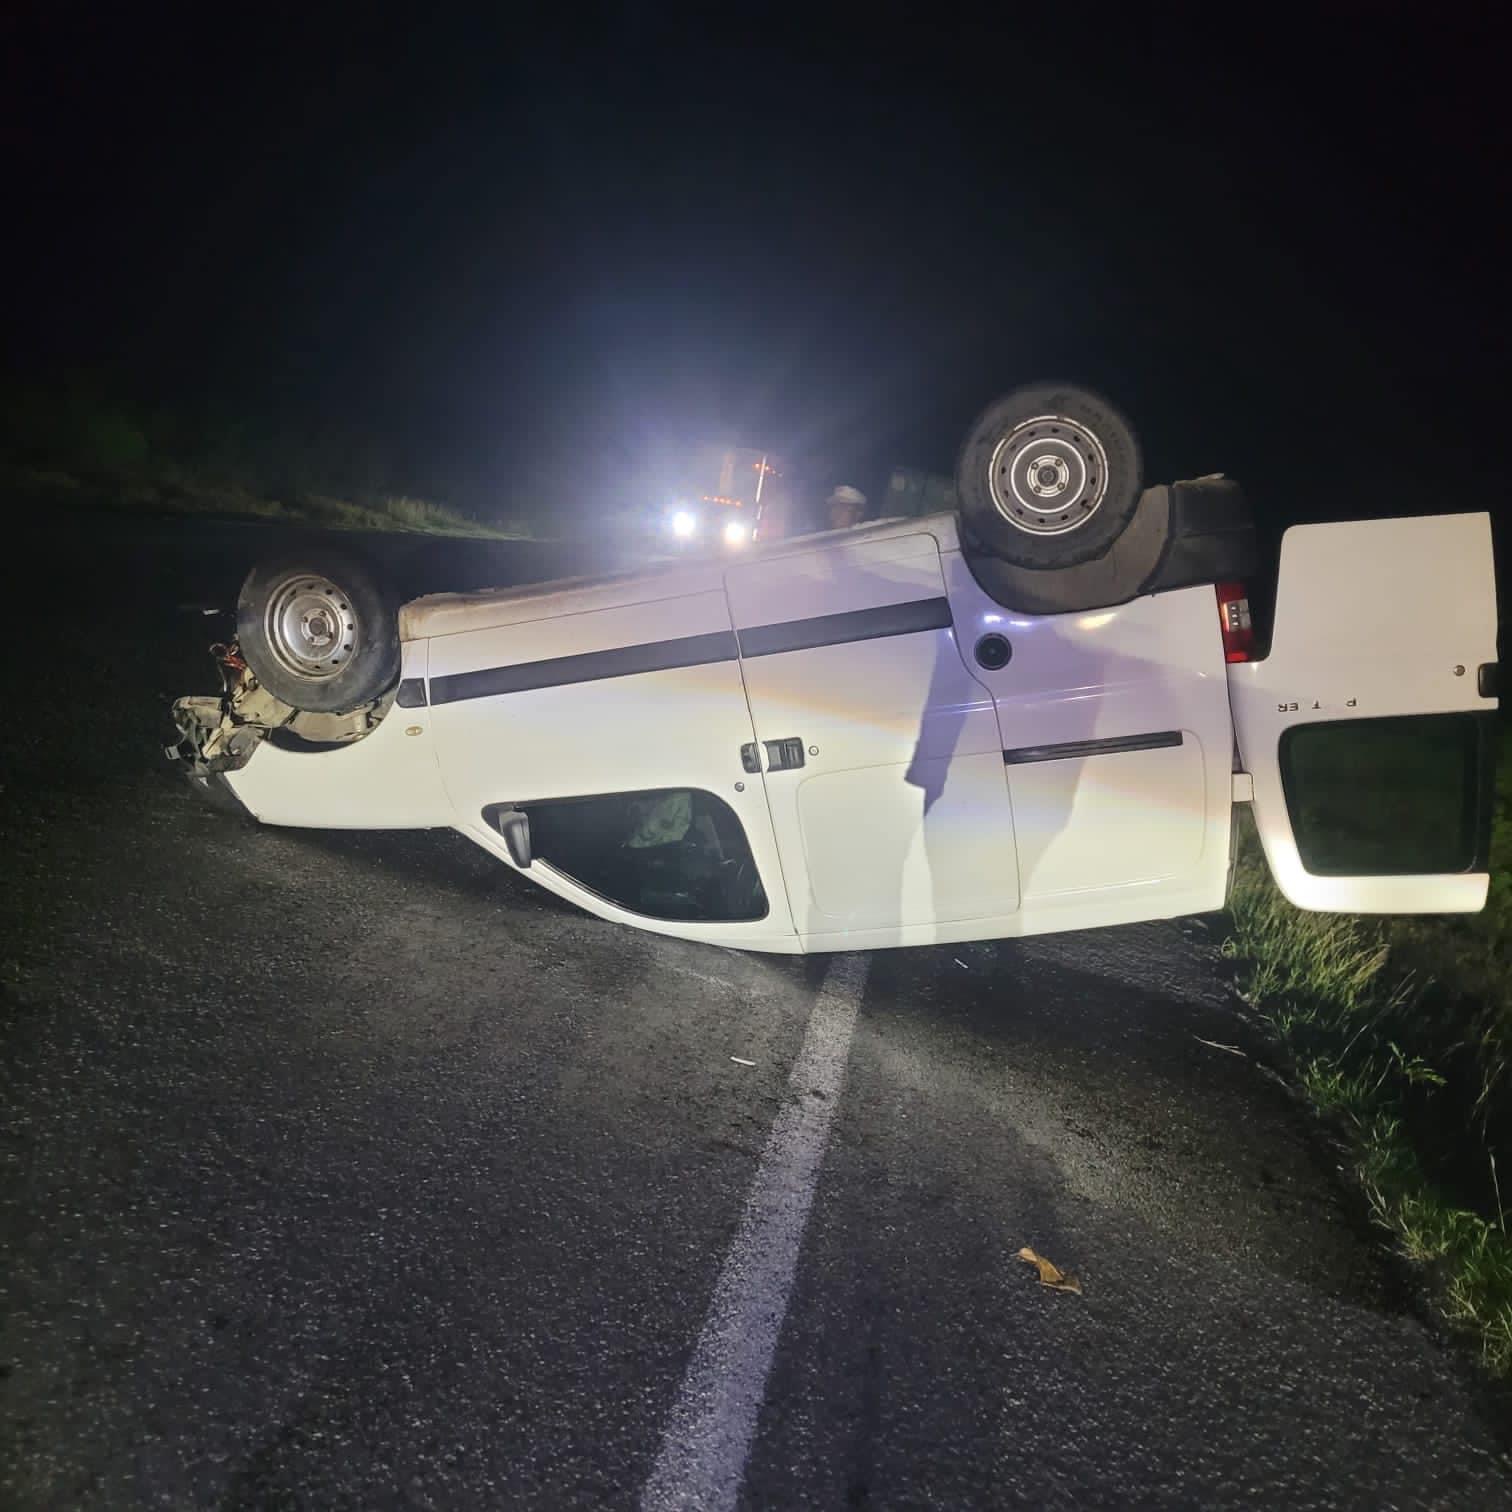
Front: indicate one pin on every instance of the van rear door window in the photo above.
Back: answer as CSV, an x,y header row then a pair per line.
x,y
1384,797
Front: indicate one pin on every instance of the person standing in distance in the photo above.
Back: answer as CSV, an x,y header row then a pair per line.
x,y
845,507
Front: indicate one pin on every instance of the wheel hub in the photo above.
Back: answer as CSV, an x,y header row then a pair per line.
x,y
318,629
1048,475
312,629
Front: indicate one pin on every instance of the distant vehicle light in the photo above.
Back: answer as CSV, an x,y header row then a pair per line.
x,y
684,524
737,533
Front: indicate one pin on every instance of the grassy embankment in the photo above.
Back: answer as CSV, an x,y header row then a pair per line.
x,y
1400,1032
75,447
171,489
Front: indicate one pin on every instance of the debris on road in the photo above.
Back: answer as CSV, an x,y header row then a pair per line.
x,y
959,962
1214,1045
1050,1274
739,1062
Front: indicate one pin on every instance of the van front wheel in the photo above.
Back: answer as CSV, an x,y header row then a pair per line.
x,y
321,633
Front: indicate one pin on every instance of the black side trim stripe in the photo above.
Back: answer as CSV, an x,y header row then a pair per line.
x,y
850,625
692,651
1073,748
411,694
590,666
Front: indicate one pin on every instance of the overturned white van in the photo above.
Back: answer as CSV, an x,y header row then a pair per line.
x,y
1036,716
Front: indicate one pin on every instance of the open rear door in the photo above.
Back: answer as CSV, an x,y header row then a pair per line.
x,y
1369,727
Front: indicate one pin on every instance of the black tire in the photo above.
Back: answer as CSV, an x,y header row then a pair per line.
x,y
1119,574
1212,536
320,631
1188,533
1049,476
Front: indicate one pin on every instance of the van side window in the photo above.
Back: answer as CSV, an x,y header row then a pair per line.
x,y
1389,797
672,853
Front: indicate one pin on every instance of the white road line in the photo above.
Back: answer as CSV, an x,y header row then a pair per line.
x,y
707,1439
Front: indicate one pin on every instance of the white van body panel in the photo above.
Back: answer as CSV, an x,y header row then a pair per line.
x,y
1110,820
387,780
1374,618
899,814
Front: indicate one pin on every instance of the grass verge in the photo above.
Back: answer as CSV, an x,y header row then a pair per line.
x,y
81,439
1400,1030
173,491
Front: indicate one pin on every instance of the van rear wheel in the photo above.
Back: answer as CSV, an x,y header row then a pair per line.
x,y
1049,476
320,633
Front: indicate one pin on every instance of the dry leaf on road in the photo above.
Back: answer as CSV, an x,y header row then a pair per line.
x,y
1050,1274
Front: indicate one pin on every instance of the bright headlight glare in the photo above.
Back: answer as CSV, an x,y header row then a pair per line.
x,y
684,523
737,533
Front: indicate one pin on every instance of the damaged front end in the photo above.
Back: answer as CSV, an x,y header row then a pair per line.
x,y
218,733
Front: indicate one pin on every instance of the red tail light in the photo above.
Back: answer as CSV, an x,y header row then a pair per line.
x,y
1234,621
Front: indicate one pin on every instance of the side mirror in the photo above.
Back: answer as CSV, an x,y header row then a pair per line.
x,y
514,825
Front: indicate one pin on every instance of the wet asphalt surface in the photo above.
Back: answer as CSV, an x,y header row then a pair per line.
x,y
346,1170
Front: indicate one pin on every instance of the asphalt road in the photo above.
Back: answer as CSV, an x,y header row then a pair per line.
x,y
346,1170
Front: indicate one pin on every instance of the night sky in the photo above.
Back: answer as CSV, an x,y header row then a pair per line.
x,y
532,251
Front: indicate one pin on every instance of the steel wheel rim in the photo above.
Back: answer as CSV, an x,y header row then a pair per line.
x,y
311,627
1048,476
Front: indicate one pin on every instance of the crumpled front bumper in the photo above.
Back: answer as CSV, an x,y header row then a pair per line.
x,y
212,743
218,734
212,739
215,788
